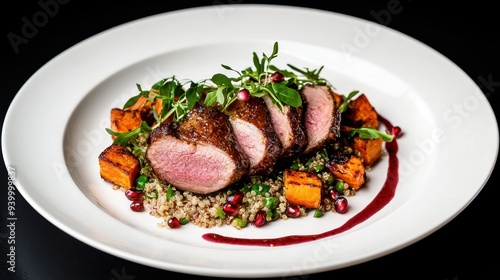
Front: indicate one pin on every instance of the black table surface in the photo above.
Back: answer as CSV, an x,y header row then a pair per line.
x,y
465,248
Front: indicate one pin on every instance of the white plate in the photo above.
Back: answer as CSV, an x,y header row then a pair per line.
x,y
446,155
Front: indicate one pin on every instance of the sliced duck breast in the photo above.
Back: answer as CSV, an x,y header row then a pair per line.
x,y
199,154
255,134
321,117
289,128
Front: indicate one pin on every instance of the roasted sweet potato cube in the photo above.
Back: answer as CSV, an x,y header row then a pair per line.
x,y
119,166
352,171
361,112
302,188
125,120
369,149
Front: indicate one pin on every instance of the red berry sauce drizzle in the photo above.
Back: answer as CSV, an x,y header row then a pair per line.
x,y
384,196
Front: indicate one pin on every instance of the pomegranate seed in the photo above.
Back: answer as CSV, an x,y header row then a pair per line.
x,y
173,222
235,198
277,77
230,209
292,211
133,194
243,95
333,193
396,130
260,218
341,205
137,205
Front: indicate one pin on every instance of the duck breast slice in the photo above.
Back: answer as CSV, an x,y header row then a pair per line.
x,y
321,117
289,128
199,154
255,134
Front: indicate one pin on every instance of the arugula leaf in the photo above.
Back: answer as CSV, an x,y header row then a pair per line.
x,y
366,132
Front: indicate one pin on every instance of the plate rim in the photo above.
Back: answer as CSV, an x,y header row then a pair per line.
x,y
188,268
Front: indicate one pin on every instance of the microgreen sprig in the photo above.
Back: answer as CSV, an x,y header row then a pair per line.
x,y
345,103
179,97
310,76
256,80
123,138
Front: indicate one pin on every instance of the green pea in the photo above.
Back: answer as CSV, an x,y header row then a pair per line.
x,y
339,186
318,213
220,213
184,221
260,189
271,202
318,168
141,182
239,222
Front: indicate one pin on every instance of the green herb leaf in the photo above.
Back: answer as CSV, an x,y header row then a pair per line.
x,y
122,138
256,63
366,132
133,99
221,80
158,84
231,69
310,76
345,103
192,96
211,98
287,95
170,193
220,95
275,51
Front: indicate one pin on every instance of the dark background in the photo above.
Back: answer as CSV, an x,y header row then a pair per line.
x,y
465,248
